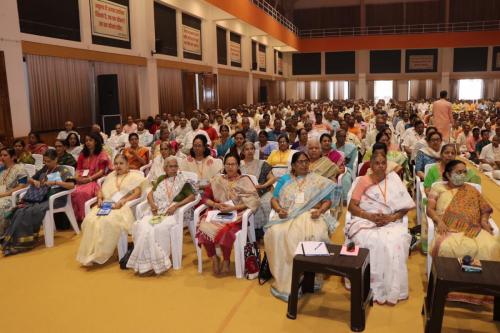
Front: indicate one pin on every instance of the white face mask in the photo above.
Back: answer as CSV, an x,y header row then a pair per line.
x,y
458,179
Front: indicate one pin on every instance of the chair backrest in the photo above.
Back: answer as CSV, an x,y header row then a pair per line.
x,y
190,175
30,169
349,194
476,186
38,161
71,169
253,178
428,167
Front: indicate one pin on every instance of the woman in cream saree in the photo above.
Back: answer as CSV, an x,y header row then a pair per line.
x,y
301,204
101,233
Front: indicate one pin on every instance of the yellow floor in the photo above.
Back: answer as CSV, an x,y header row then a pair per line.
x,y
46,290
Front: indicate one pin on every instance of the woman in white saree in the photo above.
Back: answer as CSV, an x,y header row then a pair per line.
x,y
152,246
378,204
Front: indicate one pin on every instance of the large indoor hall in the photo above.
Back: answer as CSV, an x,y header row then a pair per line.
x,y
250,165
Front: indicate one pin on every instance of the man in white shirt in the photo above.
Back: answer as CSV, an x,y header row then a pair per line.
x,y
181,130
401,125
130,126
187,143
145,138
411,136
490,153
118,138
68,128
97,129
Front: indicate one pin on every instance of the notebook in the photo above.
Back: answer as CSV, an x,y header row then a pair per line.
x,y
311,248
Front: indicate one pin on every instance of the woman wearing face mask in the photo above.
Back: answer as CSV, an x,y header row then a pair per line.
x,y
461,215
448,153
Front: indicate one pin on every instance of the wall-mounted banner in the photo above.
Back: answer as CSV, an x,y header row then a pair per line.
x,y
235,52
279,64
109,20
191,40
261,60
421,62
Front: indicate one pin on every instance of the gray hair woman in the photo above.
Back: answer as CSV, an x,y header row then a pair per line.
x,y
152,233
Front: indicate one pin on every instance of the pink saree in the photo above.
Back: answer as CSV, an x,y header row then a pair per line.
x,y
84,192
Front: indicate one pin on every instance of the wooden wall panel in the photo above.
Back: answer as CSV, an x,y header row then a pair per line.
x,y
232,90
333,17
5,116
170,90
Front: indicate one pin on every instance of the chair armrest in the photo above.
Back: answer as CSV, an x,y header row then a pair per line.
x,y
17,194
141,209
182,210
197,213
88,205
61,194
135,202
245,221
493,226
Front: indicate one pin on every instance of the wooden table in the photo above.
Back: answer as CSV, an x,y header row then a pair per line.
x,y
447,276
356,269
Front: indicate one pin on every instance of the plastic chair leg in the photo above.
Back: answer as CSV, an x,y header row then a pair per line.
x,y
48,230
122,245
199,254
176,245
72,219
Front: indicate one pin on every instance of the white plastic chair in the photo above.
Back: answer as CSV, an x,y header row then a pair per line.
x,y
239,242
354,170
176,232
38,161
49,225
431,229
146,168
30,169
122,245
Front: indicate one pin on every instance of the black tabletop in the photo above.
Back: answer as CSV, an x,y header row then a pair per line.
x,y
336,260
449,269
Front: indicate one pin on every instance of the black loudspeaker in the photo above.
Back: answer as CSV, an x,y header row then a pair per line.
x,y
107,88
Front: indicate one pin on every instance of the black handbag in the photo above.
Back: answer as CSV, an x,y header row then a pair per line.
x,y
265,271
124,260
36,194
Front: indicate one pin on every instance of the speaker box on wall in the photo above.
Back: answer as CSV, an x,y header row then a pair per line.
x,y
107,89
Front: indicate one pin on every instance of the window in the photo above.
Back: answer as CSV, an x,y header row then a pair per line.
x,y
383,90
470,89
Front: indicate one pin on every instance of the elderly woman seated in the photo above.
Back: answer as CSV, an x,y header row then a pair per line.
x,y
103,226
461,215
378,204
229,192
301,203
152,233
158,166
322,165
22,233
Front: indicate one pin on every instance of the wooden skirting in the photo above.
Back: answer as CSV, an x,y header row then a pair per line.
x,y
81,54
183,66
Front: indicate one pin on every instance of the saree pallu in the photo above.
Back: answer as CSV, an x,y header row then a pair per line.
x,y
84,192
223,148
389,245
325,167
283,235
336,157
100,234
151,234
242,191
261,170
38,148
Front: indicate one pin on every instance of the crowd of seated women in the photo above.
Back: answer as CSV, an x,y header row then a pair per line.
x,y
294,180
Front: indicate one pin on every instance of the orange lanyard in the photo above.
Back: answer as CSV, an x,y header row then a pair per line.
x,y
384,193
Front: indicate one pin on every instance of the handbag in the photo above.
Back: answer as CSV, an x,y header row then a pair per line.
x,y
36,194
265,271
252,260
124,260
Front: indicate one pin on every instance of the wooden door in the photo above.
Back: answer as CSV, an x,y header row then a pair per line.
x,y
207,90
5,116
189,92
